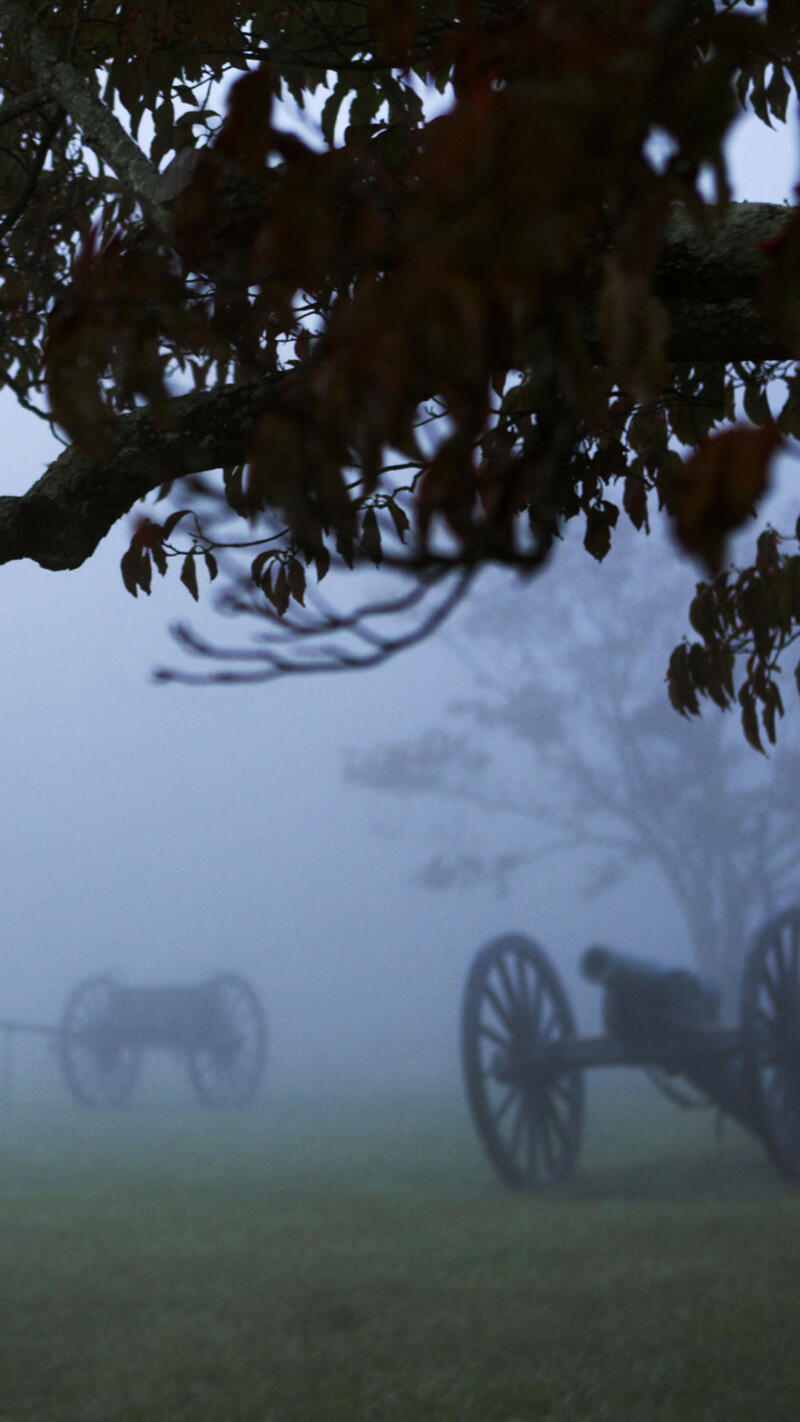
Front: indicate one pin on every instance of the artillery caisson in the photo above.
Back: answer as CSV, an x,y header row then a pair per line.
x,y
523,1062
217,1026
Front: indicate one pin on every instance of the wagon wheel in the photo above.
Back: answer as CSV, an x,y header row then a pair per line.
x,y
770,1028
98,1068
227,1068
528,1111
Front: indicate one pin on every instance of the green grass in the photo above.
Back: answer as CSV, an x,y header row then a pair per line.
x,y
347,1261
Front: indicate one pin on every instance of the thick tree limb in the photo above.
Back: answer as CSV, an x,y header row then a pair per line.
x,y
61,519
708,282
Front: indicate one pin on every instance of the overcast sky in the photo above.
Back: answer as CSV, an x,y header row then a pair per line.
x,y
159,832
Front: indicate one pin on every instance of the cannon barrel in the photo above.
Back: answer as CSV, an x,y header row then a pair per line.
x,y
643,998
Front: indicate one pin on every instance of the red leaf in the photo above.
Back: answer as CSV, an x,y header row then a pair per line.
x,y
718,489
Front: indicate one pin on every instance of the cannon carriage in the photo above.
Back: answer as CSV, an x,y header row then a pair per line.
x,y
217,1026
524,1063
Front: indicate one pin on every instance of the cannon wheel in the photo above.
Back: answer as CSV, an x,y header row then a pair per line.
x,y
98,1070
770,1029
226,1070
528,1115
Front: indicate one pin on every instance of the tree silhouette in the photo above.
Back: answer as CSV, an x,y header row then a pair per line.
x,y
394,338
566,729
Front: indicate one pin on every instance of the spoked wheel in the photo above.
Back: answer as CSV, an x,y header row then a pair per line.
x,y
770,1027
226,1069
527,1107
99,1069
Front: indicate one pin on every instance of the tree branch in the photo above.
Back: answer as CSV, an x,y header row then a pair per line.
x,y
61,519
709,282
57,80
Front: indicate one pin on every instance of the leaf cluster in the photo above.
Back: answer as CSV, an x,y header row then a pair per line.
x,y
463,312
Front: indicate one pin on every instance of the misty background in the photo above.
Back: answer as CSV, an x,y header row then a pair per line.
x,y
162,833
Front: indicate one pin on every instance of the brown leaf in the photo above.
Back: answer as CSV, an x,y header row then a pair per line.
x,y
718,488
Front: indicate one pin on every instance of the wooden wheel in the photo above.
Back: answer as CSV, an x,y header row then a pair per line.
x,y
226,1069
99,1068
527,1107
770,1027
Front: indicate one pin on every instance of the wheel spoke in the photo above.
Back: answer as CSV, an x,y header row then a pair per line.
x,y
558,1125
494,1036
528,1120
501,1011
507,984
769,984
545,1138
517,1127
500,1111
771,1038
522,979
536,1008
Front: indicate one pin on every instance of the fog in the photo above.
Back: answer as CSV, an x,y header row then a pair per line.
x,y
162,833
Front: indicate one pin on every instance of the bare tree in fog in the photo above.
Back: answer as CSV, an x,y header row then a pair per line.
x,y
568,726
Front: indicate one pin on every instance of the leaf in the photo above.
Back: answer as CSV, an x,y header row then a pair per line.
x,y
246,133
600,519
322,561
448,489
281,591
634,499
171,523
756,404
777,92
211,565
788,420
365,105
758,97
302,345
344,547
331,107
703,612
189,575
159,556
718,488
680,686
772,707
370,541
750,719
129,567
400,519
259,563
296,579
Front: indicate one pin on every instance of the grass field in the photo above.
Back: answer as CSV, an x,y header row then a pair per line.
x,y
358,1260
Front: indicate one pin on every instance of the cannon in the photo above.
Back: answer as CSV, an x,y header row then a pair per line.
x,y
524,1064
217,1026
